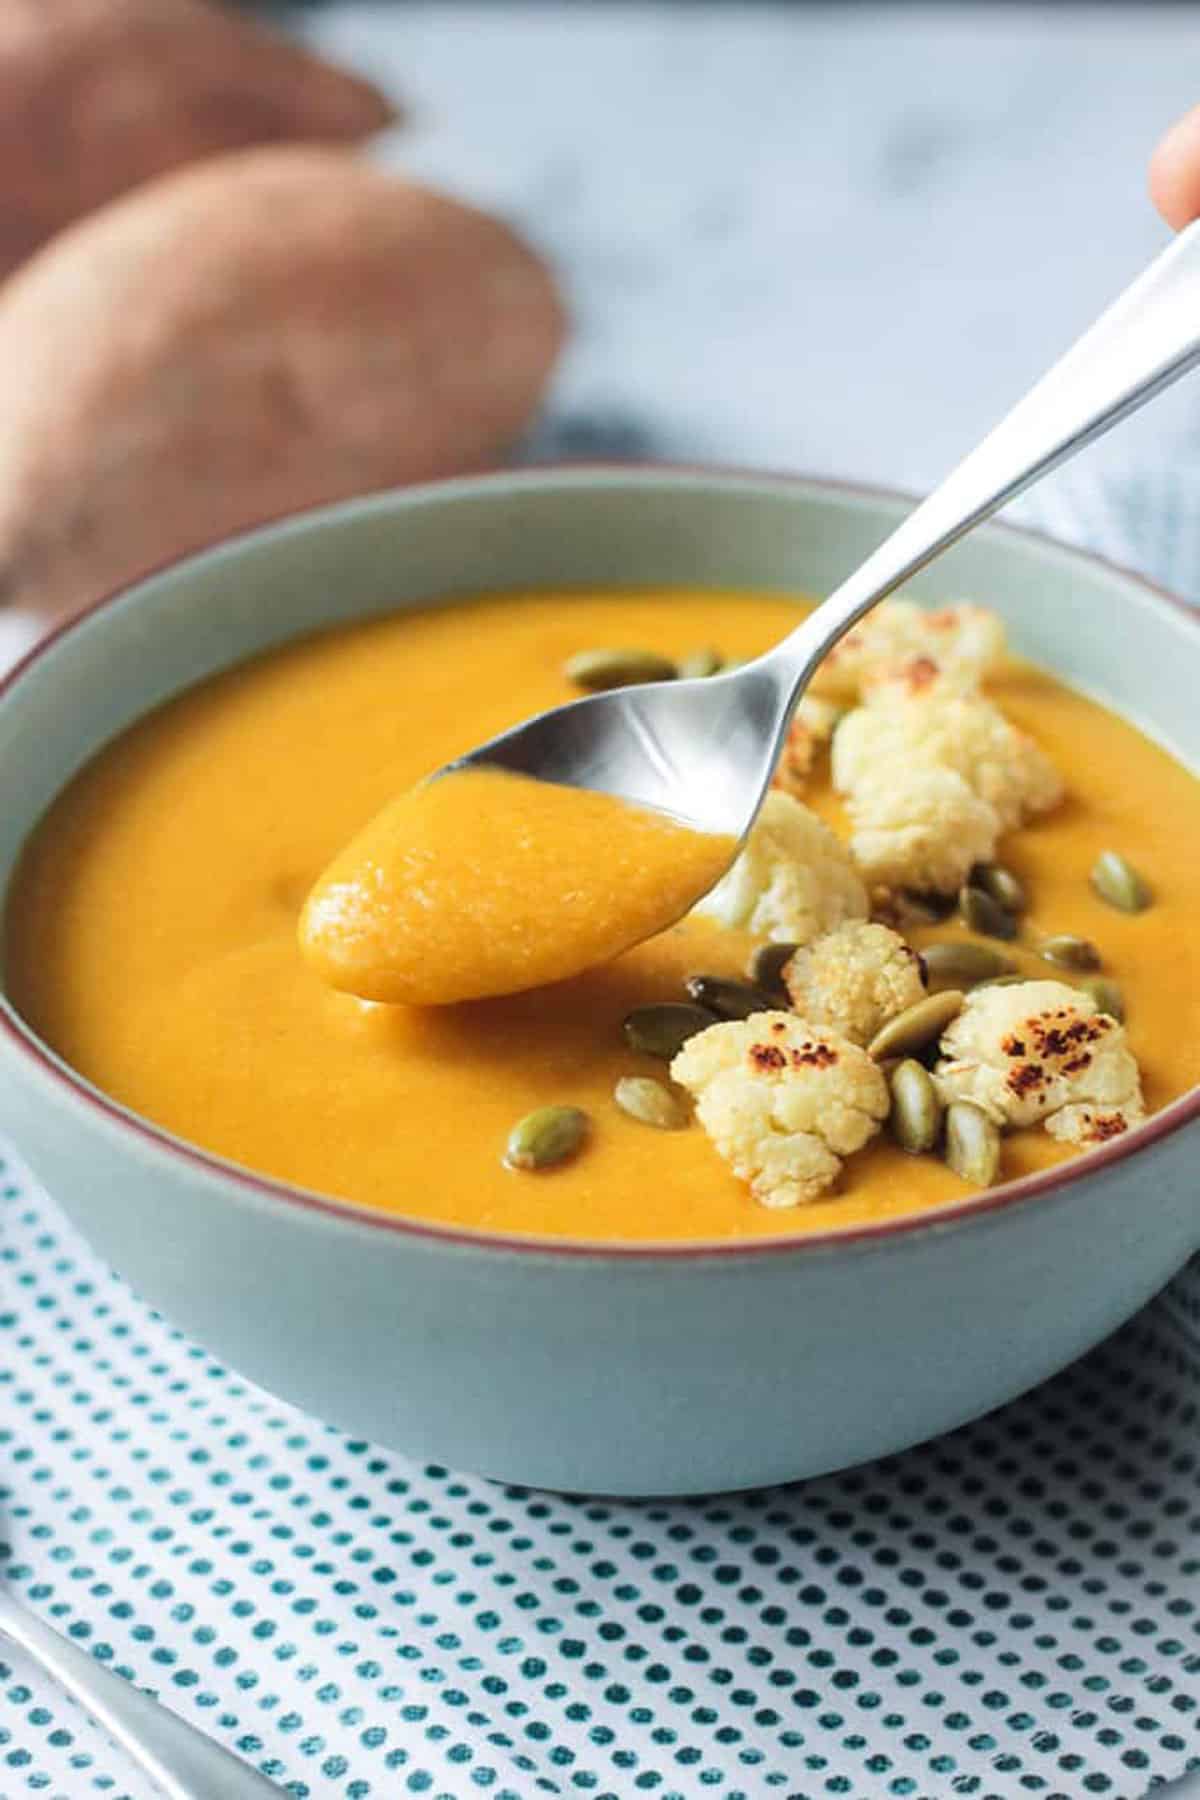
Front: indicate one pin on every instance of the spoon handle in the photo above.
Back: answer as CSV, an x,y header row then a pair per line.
x,y
1147,339
181,1761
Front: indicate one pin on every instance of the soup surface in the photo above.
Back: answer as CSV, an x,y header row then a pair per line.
x,y
152,930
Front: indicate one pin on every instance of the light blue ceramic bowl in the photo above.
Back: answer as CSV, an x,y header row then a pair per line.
x,y
638,1371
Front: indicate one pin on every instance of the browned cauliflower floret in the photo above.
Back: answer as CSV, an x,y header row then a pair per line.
x,y
854,979
965,642
969,735
811,728
919,826
1040,1051
919,677
791,880
783,1101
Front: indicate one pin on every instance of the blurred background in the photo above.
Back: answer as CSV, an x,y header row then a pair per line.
x,y
834,238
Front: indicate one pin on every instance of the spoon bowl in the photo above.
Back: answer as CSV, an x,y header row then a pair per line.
x,y
700,750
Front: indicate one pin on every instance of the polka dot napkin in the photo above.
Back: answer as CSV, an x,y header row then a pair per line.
x,y
1011,1610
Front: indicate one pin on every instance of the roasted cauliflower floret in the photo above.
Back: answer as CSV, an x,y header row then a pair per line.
x,y
1041,1051
811,728
969,735
964,641
784,1102
919,677
819,716
919,826
854,979
792,880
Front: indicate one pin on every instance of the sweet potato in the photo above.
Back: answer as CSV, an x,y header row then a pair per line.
x,y
98,95
253,335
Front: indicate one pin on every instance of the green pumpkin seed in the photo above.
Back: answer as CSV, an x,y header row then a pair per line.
x,y
924,909
650,1102
1068,952
972,1143
596,670
917,1110
1107,995
1118,882
903,908
980,912
1003,886
916,1026
663,1029
698,663
545,1137
940,906
960,962
767,966
730,999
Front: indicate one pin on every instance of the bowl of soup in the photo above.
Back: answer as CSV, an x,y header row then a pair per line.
x,y
320,1185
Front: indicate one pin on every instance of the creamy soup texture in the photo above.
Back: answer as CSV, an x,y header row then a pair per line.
x,y
482,883
152,930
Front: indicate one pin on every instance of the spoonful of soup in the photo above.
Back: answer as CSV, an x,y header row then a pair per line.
x,y
584,830
483,882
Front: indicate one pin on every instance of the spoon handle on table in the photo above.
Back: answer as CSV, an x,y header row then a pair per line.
x,y
1146,340
181,1761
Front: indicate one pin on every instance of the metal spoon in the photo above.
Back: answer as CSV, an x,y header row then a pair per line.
x,y
181,1761
704,750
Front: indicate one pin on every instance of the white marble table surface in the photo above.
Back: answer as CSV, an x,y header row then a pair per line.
x,y
831,238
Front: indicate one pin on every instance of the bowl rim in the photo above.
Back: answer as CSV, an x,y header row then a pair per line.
x,y
256,1186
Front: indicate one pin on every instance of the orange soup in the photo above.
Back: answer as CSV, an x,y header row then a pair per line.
x,y
152,935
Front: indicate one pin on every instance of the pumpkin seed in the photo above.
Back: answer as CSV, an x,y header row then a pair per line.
x,y
924,909
596,670
959,961
917,1025
916,1108
980,912
903,908
767,966
1068,952
1003,886
729,999
972,1143
545,1137
1107,995
651,1102
1118,882
663,1029
698,663
940,905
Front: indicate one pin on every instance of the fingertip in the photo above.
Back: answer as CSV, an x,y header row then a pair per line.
x,y
1174,173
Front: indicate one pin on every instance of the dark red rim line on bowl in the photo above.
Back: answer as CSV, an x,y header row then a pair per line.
x,y
990,1200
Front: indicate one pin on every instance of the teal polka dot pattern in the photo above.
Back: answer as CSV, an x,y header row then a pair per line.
x,y
1012,1610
